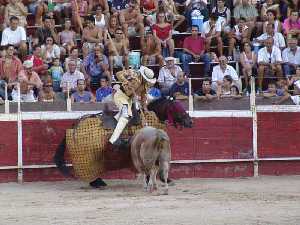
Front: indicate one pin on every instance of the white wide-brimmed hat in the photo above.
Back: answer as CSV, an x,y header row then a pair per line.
x,y
148,74
28,63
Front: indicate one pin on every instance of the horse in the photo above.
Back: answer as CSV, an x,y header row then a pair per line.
x,y
150,147
87,141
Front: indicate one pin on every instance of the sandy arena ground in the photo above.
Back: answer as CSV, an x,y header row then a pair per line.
x,y
262,201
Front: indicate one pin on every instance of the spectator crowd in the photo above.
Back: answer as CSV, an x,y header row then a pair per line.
x,y
62,48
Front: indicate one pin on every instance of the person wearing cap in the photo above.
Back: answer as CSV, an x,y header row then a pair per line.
x,y
133,84
168,74
32,78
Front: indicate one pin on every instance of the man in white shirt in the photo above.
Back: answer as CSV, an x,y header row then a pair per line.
x,y
269,61
168,74
291,57
212,31
15,35
69,79
277,37
221,70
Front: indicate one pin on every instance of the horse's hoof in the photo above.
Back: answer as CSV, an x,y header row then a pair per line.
x,y
98,183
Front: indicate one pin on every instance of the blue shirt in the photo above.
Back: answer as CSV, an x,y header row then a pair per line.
x,y
102,93
92,67
183,89
86,97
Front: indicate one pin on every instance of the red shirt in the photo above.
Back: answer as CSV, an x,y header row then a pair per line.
x,y
38,64
162,32
197,46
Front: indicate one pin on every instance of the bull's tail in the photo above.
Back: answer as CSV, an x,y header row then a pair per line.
x,y
161,137
59,158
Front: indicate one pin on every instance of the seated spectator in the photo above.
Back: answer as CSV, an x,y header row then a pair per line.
x,y
26,94
212,30
291,57
10,66
221,70
50,51
168,75
133,20
195,7
96,65
151,49
180,89
194,50
101,18
56,72
74,55
206,93
291,25
224,88
269,61
149,9
113,24
95,4
47,30
153,92
293,81
277,37
163,31
81,95
38,9
105,91
272,18
247,11
47,94
67,38
92,35
118,51
15,35
15,8
61,9
248,60
69,79
39,66
79,11
234,91
172,15
271,91
268,5
238,36
224,15
32,78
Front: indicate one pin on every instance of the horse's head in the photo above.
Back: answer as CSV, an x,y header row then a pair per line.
x,y
171,110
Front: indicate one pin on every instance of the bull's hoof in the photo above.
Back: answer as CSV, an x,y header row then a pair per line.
x,y
98,183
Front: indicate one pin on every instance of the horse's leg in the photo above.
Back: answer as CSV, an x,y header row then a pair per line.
x,y
165,170
154,178
146,182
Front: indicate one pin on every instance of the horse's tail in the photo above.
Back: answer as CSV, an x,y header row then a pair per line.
x,y
59,158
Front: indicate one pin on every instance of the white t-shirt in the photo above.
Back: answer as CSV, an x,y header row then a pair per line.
x,y
278,39
166,78
71,79
266,57
206,27
13,37
218,74
289,57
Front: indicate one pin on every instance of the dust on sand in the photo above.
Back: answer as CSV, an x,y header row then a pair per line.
x,y
251,201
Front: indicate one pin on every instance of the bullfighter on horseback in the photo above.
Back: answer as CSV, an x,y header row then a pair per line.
x,y
134,84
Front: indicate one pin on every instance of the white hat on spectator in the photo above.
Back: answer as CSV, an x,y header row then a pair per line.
x,y
28,64
170,58
148,74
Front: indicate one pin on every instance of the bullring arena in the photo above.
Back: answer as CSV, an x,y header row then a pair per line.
x,y
233,167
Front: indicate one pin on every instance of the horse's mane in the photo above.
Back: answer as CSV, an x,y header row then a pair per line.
x,y
159,106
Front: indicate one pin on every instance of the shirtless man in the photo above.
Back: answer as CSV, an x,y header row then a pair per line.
x,y
92,34
151,49
103,3
132,20
118,51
